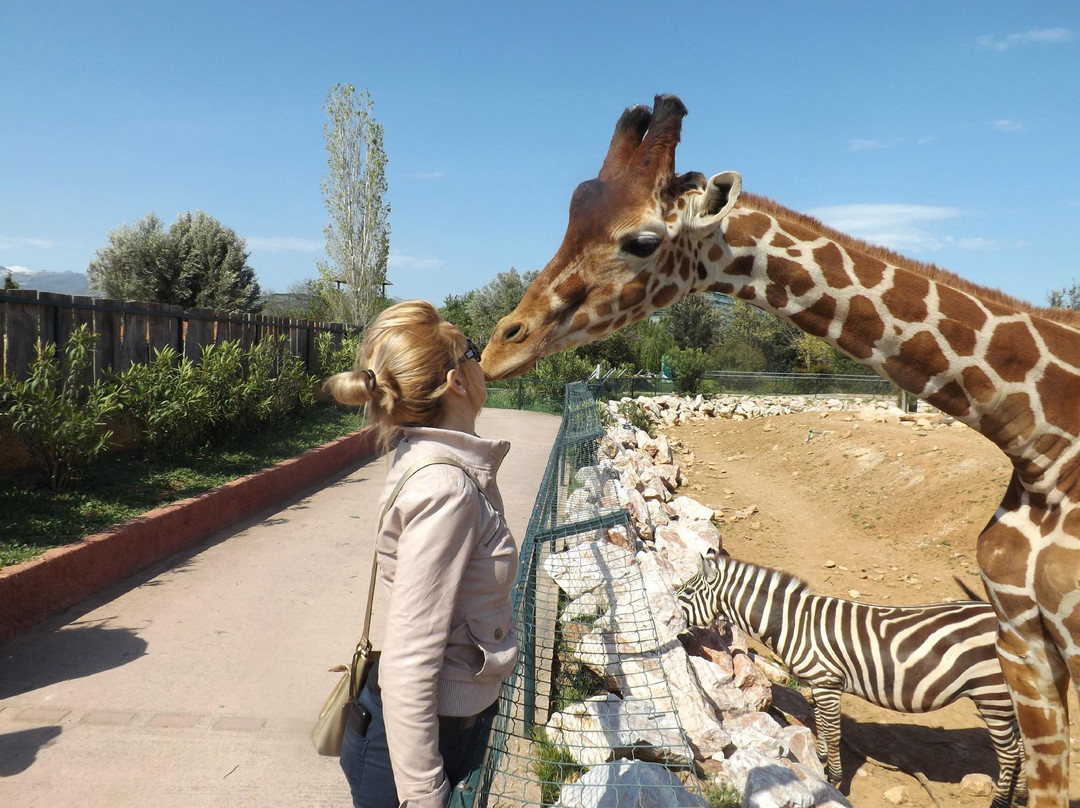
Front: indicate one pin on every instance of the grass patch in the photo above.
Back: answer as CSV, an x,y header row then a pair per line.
x,y
552,765
121,486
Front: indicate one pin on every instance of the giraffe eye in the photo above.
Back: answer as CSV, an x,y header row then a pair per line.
x,y
642,246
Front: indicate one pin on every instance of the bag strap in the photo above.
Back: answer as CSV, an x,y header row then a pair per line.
x,y
422,464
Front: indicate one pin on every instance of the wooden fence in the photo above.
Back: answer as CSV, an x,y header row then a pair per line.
x,y
129,333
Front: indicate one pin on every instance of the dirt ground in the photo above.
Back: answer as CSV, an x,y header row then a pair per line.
x,y
886,513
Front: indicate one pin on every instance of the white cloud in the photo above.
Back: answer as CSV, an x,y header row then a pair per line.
x,y
898,227
871,144
399,261
1053,36
978,244
1006,125
865,144
277,244
13,242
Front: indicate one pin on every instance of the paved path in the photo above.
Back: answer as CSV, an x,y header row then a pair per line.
x,y
195,683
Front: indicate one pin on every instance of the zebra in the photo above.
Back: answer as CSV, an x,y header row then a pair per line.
x,y
907,658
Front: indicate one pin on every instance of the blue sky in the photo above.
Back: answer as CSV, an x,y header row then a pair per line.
x,y
948,131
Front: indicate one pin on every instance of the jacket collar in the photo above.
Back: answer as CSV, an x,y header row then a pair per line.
x,y
476,452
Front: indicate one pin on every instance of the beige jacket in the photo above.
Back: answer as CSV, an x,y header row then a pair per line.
x,y
448,561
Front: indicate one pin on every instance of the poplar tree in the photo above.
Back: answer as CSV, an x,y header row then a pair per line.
x,y
358,235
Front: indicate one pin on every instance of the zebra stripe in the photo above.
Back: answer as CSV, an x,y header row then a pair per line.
x,y
908,658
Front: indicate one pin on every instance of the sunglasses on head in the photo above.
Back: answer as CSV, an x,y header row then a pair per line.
x,y
471,351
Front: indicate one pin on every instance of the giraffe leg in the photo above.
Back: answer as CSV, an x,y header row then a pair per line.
x,y
827,718
1038,680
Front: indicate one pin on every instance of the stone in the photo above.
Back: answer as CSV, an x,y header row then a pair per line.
x,y
587,566
691,510
604,727
630,783
977,785
769,783
895,796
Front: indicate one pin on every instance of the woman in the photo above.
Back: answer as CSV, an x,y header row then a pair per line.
x,y
445,555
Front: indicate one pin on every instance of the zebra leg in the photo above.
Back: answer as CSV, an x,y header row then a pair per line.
x,y
827,718
1005,736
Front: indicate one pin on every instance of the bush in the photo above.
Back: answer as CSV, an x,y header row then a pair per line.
x,y
331,360
638,417
166,401
688,367
176,404
58,413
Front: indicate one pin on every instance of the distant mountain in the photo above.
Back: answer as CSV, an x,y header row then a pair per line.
x,y
64,283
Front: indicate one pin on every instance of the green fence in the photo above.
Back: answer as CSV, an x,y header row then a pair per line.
x,y
546,396
571,652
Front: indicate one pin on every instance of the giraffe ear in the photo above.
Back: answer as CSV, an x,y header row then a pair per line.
x,y
721,194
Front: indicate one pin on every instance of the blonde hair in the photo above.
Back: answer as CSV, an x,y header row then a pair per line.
x,y
400,370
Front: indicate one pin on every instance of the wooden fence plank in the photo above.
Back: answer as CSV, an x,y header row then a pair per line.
x,y
23,331
133,342
128,332
200,332
108,322
163,326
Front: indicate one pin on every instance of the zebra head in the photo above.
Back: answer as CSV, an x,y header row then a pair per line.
x,y
699,598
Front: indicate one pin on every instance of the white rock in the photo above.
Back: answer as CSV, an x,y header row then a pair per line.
x,y
895,796
691,510
605,727
630,783
587,566
977,785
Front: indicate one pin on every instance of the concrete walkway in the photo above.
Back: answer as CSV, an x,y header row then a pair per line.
x,y
196,682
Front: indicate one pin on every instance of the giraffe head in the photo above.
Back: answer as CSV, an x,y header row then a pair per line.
x,y
628,246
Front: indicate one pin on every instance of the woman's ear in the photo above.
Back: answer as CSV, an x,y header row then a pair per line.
x,y
455,381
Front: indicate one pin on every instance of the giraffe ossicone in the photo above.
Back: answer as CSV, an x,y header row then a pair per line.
x,y
641,237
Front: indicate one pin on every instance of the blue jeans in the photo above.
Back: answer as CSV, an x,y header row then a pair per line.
x,y
365,757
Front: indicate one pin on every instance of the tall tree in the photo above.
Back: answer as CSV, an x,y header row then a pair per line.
x,y
358,235
489,304
1068,298
694,322
197,262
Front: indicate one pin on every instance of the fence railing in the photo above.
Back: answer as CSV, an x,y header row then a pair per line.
x,y
517,769
537,394
128,333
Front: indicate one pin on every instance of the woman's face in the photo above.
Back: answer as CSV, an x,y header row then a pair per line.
x,y
474,376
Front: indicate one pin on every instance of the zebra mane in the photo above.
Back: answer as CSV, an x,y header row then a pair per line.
x,y
786,579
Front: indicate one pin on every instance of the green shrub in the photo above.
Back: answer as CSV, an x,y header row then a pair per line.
x,y
58,413
638,417
688,367
331,360
166,401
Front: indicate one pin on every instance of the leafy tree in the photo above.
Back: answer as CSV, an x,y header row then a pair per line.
x,y
693,322
358,235
213,264
688,367
489,304
198,262
10,282
654,340
455,309
761,332
1067,298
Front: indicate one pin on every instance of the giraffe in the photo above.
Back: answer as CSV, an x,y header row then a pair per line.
x,y
641,237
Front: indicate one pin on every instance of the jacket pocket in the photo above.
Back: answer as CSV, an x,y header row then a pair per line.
x,y
492,632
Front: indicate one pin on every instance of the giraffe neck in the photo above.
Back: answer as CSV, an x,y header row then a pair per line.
x,y
1012,375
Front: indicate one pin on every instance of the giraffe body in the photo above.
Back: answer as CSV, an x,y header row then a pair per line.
x,y
641,237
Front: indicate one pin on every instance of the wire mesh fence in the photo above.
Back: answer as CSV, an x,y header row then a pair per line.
x,y
587,718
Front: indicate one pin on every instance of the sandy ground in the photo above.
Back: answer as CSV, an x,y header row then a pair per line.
x,y
886,513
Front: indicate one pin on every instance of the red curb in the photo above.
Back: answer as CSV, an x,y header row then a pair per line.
x,y
61,577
